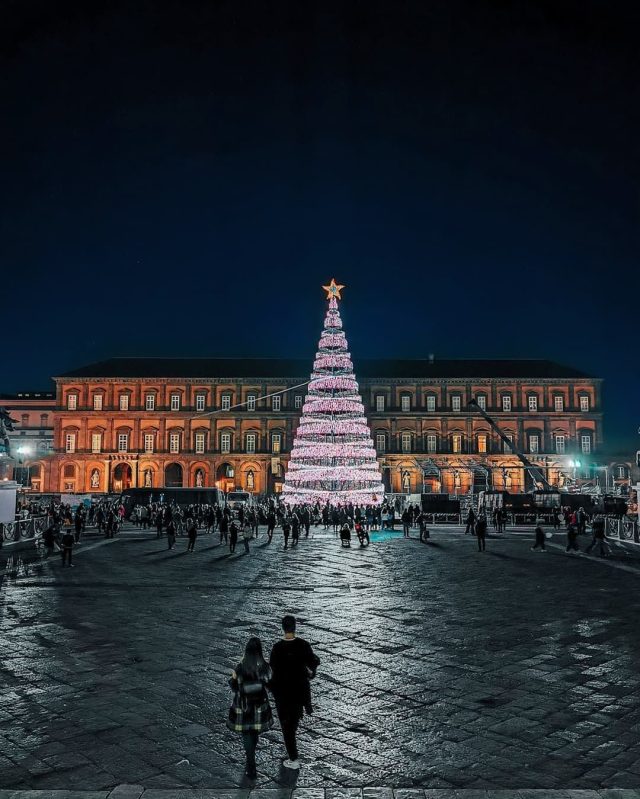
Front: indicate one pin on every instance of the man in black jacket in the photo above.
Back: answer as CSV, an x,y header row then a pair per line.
x,y
293,663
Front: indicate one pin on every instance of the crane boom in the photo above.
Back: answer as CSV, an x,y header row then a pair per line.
x,y
535,472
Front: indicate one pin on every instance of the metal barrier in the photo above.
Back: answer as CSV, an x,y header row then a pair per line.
x,y
622,530
24,529
444,518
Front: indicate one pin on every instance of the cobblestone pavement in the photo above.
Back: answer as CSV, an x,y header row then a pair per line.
x,y
442,668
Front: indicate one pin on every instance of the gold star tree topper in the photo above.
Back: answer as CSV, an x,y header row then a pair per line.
x,y
333,290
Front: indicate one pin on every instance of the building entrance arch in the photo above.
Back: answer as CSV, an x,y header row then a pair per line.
x,y
173,476
226,477
122,478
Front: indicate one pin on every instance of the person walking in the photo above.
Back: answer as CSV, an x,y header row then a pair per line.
x,y
481,533
540,537
286,529
78,526
471,520
247,535
66,547
295,529
233,536
293,663
49,540
572,539
271,525
250,712
599,538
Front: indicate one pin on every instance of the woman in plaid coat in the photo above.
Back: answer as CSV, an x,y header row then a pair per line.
x,y
250,712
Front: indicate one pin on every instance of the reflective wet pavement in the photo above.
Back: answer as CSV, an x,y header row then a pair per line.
x,y
441,667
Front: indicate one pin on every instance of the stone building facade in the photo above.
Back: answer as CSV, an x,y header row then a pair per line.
x,y
230,423
32,437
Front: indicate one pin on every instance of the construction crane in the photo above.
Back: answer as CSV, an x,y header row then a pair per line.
x,y
536,473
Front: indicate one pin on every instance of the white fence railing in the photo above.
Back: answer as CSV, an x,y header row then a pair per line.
x,y
22,530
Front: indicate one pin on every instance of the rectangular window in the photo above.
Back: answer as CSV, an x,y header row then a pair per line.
x,y
72,402
200,402
380,403
482,444
251,443
585,444
405,403
432,443
123,442
276,442
506,402
482,402
251,402
124,402
455,403
276,403
406,442
558,403
225,443
175,402
534,444
226,402
507,446
456,443
174,442
533,402
297,401
97,402
96,442
200,438
70,442
150,402
431,402
381,442
560,445
148,442
622,472
584,403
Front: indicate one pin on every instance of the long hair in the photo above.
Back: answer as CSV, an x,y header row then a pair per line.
x,y
253,662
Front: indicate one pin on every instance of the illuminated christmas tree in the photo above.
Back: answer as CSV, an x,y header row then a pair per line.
x,y
333,458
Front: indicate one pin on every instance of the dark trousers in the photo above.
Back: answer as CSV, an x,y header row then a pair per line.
x,y
250,741
289,720
469,528
191,544
481,543
77,536
286,540
232,544
270,532
246,544
66,555
405,529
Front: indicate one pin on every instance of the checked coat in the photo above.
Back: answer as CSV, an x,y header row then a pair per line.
x,y
250,714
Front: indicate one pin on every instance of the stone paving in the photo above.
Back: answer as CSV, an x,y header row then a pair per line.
x,y
467,674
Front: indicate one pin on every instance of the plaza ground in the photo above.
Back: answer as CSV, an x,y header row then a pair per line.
x,y
442,668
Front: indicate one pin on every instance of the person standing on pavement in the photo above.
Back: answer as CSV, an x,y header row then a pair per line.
x,y
599,538
192,534
171,535
250,713
471,520
481,533
247,535
407,518
293,663
224,528
233,536
66,547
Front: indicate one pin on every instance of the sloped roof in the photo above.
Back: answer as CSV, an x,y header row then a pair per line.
x,y
203,368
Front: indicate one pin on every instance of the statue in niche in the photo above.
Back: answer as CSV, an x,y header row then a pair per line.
x,y
147,479
95,479
199,478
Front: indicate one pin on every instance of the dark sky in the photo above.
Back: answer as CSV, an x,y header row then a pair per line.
x,y
180,178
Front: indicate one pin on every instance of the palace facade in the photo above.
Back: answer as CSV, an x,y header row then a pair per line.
x,y
136,422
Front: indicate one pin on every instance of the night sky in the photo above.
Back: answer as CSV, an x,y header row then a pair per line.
x,y
180,179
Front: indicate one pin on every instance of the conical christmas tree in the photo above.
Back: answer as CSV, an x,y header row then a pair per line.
x,y
333,459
